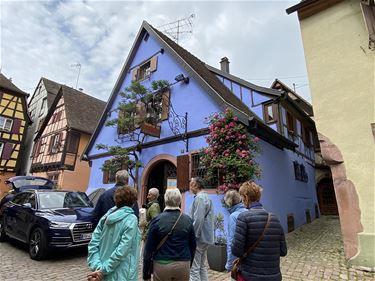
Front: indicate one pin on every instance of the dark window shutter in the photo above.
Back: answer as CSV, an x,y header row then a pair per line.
x,y
183,172
73,142
7,151
37,146
51,140
105,176
16,126
290,122
165,105
61,142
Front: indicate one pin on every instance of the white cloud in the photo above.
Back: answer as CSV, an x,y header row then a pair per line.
x,y
45,38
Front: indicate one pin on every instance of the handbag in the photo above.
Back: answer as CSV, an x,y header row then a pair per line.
x,y
235,274
161,243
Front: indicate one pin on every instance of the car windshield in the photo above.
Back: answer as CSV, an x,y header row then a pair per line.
x,y
30,182
54,200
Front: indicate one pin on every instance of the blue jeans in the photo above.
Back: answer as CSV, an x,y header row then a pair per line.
x,y
199,269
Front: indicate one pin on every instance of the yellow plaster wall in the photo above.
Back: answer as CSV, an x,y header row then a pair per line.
x,y
341,73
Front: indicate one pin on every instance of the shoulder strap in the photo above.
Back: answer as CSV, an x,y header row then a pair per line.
x,y
168,234
259,239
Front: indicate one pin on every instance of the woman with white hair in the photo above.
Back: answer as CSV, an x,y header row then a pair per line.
x,y
170,245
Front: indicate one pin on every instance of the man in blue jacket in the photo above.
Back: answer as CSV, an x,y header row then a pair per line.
x,y
106,200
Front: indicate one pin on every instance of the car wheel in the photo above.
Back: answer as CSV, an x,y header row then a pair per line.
x,y
37,245
3,236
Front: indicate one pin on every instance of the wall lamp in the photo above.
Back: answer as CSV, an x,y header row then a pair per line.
x,y
181,77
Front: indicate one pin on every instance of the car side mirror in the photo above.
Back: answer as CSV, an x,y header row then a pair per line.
x,y
26,206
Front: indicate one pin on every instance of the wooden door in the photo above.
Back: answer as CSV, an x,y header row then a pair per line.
x,y
327,197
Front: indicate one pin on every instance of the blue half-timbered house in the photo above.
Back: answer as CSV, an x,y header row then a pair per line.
x,y
171,156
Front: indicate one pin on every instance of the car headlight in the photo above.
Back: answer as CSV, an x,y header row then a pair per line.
x,y
57,224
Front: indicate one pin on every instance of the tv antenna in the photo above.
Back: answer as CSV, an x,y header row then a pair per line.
x,y
178,27
77,65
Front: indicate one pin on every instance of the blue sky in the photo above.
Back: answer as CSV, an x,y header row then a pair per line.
x,y
45,38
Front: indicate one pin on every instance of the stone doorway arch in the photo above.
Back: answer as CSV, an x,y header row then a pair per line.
x,y
346,196
158,168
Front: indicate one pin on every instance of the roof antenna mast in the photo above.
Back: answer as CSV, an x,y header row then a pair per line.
x,y
78,65
178,27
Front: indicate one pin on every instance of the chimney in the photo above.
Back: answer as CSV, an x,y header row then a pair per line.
x,y
224,64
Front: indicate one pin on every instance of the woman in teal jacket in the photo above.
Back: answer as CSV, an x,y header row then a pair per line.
x,y
113,251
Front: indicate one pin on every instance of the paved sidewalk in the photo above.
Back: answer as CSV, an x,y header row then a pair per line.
x,y
315,253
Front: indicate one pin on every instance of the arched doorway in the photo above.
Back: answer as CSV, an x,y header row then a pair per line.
x,y
156,173
327,197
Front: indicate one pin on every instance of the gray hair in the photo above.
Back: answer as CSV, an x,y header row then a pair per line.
x,y
122,177
199,182
154,191
231,198
172,198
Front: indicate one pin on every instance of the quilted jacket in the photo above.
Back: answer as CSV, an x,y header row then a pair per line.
x,y
263,263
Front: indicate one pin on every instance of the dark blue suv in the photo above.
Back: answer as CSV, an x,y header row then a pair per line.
x,y
47,219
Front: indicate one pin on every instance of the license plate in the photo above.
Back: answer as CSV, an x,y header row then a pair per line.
x,y
85,236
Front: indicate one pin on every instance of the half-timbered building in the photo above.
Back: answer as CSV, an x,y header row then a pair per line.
x,y
323,177
40,102
14,121
63,136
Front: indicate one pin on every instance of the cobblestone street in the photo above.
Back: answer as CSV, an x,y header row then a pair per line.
x,y
315,252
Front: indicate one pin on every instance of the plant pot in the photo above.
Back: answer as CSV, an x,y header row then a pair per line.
x,y
217,257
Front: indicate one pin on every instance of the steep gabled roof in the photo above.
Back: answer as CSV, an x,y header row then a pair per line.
x,y
82,111
51,86
301,102
197,70
206,75
6,84
260,89
52,89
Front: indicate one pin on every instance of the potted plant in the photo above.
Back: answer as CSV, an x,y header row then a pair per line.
x,y
217,253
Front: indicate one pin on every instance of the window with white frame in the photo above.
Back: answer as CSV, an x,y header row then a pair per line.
x,y
6,124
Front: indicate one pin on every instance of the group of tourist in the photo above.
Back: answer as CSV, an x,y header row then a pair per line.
x,y
176,244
